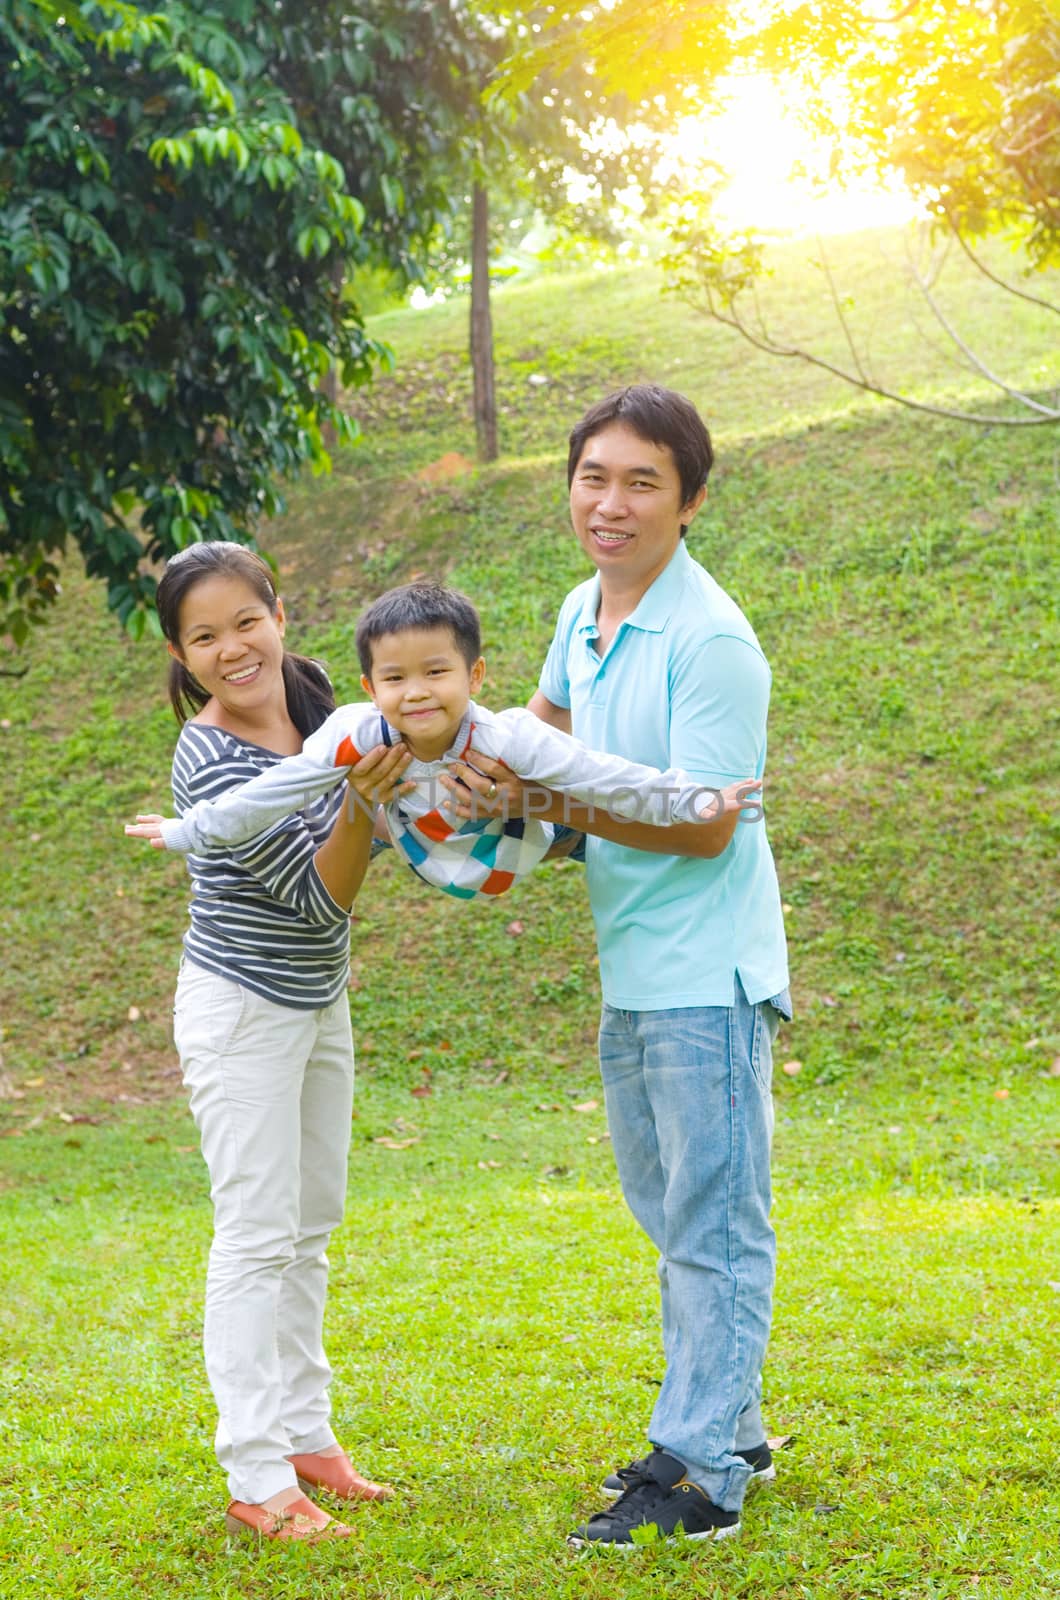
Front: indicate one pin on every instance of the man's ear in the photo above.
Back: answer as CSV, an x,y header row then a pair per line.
x,y
687,512
477,674
366,685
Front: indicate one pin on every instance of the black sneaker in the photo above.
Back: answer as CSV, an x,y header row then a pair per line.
x,y
759,1457
661,1498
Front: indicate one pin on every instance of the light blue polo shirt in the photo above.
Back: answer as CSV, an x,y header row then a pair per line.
x,y
685,684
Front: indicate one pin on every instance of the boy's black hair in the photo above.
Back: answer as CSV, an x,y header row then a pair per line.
x,y
663,417
417,606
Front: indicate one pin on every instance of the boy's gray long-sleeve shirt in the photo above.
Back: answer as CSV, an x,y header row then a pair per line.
x,y
483,856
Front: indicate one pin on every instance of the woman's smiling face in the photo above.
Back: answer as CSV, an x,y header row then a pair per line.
x,y
231,641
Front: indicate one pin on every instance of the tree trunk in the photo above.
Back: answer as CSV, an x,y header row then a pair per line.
x,y
482,328
329,383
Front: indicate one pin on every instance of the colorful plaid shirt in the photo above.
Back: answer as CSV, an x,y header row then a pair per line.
x,y
477,856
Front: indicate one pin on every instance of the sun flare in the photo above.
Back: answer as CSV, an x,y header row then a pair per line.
x,y
777,170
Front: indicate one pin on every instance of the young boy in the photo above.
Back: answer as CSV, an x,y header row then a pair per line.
x,y
421,661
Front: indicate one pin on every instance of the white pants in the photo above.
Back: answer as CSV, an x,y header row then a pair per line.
x,y
271,1091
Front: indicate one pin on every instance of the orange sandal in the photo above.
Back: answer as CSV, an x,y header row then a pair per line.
x,y
300,1519
338,1477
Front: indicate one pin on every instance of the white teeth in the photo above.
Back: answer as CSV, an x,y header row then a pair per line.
x,y
610,538
240,677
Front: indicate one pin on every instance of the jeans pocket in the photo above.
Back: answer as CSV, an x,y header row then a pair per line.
x,y
766,1026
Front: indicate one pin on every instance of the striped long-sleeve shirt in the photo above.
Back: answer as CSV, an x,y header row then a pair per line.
x,y
483,855
260,914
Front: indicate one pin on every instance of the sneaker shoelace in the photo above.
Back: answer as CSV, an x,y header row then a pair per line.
x,y
636,1501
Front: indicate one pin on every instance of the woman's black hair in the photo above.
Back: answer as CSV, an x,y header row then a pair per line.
x,y
310,697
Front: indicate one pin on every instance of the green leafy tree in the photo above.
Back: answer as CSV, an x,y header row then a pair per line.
x,y
961,102
168,308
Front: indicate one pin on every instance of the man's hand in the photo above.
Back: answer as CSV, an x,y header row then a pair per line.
x,y
483,787
147,827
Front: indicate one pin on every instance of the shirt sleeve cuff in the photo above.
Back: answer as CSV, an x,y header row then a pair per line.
x,y
177,836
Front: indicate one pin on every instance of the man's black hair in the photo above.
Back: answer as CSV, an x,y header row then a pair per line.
x,y
417,606
662,417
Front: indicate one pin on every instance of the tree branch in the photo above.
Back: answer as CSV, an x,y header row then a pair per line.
x,y
1049,412
1035,300
837,304
770,347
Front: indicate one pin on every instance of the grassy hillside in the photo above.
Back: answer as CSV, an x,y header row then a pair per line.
x,y
897,569
900,572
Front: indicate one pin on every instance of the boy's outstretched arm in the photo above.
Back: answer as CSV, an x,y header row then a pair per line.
x,y
148,825
515,797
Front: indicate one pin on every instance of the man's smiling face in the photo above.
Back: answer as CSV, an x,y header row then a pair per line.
x,y
626,506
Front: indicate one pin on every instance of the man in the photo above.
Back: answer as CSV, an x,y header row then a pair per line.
x,y
653,661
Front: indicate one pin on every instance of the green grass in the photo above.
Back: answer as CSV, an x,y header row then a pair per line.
x,y
494,1333
494,1327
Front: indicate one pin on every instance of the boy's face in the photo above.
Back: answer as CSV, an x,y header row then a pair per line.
x,y
422,684
626,506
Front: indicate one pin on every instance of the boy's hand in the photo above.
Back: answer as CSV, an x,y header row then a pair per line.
x,y
734,797
149,828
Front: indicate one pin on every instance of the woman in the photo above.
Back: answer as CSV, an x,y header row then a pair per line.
x,y
262,1026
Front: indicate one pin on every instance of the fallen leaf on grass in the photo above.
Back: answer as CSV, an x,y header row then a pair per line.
x,y
782,1441
829,1000
134,1013
64,1116
514,928
32,1083
1001,1094
586,1105
395,1144
487,1166
1054,1070
791,1068
544,1106
421,1090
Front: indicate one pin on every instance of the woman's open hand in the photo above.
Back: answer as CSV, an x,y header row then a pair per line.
x,y
376,780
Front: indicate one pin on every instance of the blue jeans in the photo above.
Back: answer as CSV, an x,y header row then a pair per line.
x,y
689,1107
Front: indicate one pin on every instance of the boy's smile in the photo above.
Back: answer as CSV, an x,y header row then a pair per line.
x,y
422,685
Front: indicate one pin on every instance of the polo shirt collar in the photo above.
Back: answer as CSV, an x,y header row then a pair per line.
x,y
655,606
